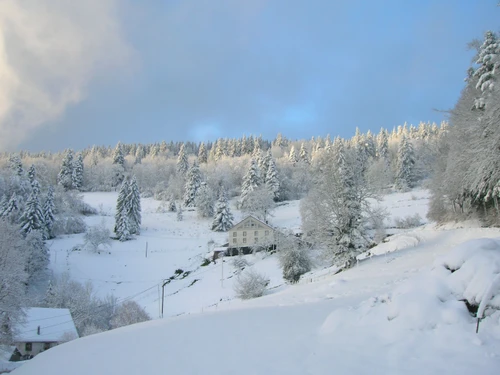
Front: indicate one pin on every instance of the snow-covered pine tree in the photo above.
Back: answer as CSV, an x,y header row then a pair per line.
x,y
251,181
180,213
32,217
48,213
332,213
272,181
121,206
122,227
202,153
118,157
182,161
223,218
303,154
77,175
3,204
205,201
263,164
64,178
405,168
12,206
382,149
134,207
171,204
31,174
487,59
219,150
15,165
193,182
292,156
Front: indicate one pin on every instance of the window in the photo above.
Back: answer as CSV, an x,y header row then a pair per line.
x,y
28,347
256,233
244,240
255,240
267,233
235,234
244,234
234,240
46,346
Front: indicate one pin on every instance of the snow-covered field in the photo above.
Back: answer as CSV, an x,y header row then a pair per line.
x,y
395,312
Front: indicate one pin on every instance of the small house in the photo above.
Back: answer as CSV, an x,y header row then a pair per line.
x,y
43,329
250,233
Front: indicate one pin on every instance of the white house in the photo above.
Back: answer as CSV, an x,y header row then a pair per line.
x,y
43,329
251,232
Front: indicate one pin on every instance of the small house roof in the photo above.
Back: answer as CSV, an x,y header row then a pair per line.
x,y
53,323
238,225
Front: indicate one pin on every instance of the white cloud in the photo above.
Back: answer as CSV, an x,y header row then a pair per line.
x,y
49,51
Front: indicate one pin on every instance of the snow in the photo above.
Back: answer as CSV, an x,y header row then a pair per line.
x,y
53,324
397,311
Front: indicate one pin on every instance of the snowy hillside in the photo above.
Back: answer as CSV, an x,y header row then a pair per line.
x,y
397,311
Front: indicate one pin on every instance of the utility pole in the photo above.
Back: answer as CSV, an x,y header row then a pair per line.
x,y
221,257
146,249
164,282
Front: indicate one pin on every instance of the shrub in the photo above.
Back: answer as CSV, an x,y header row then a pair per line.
x,y
250,284
97,235
294,260
408,222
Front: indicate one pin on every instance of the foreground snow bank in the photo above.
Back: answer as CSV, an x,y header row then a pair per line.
x,y
419,326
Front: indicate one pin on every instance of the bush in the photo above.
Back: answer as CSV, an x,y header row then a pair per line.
x,y
240,263
408,222
250,284
294,261
68,225
97,235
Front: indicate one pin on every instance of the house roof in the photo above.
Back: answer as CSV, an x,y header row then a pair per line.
x,y
53,323
238,225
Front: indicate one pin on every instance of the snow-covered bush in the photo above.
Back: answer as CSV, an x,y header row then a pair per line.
x,y
96,236
68,225
410,221
129,313
250,284
240,263
294,260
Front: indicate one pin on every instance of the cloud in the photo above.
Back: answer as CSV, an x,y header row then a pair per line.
x,y
49,52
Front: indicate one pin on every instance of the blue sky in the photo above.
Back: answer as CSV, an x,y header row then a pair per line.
x,y
199,70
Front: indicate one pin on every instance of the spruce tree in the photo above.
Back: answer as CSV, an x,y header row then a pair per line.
x,y
31,174
202,153
134,207
405,168
251,181
32,218
122,225
3,204
64,178
382,145
272,181
182,161
292,156
223,218
12,206
204,201
180,213
77,175
171,204
303,154
121,207
48,213
16,165
193,183
487,61
118,157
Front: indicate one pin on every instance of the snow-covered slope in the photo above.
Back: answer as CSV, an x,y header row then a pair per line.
x,y
395,312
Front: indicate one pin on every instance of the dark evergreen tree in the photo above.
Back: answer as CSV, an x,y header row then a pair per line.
x,y
77,175
32,218
223,218
64,178
48,213
182,161
121,207
134,207
193,183
118,157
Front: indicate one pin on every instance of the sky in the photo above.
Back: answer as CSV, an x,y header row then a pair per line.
x,y
74,74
